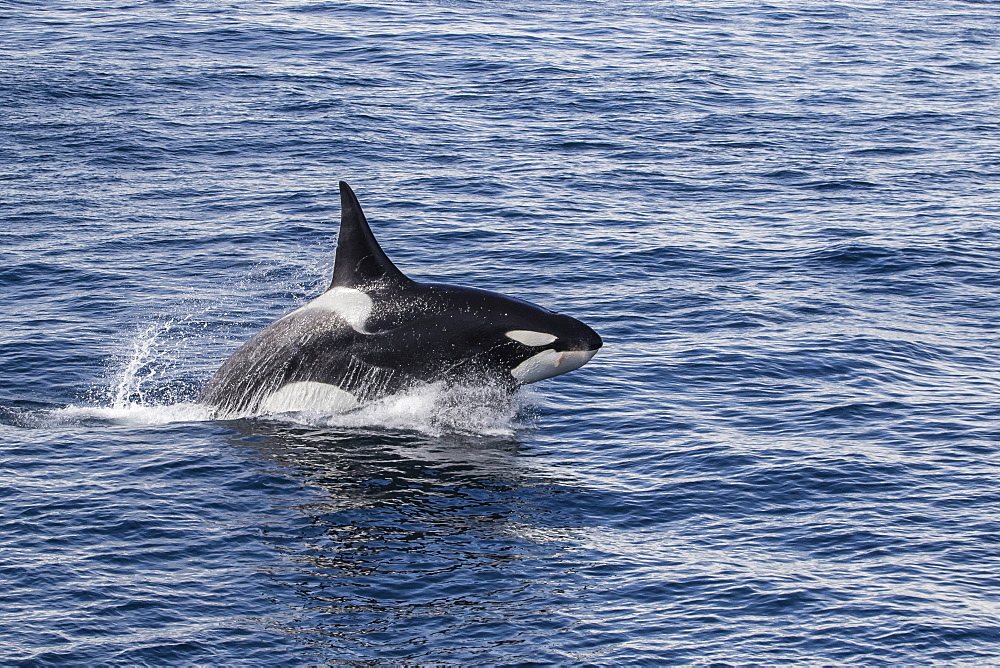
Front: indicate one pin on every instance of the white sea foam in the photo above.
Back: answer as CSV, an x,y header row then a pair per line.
x,y
133,414
433,409
430,409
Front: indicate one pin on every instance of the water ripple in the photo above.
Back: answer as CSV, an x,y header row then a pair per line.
x,y
781,219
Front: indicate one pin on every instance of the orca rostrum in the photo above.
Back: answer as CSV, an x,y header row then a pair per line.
x,y
375,332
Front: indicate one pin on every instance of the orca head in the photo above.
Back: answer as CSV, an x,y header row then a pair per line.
x,y
506,339
440,331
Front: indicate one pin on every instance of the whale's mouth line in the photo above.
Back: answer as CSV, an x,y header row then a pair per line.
x,y
560,349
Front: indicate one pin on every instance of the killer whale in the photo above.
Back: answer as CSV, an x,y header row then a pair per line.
x,y
375,332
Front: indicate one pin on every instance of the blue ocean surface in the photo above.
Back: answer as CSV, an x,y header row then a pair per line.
x,y
783,218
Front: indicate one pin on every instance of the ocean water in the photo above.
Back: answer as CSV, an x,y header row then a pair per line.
x,y
783,218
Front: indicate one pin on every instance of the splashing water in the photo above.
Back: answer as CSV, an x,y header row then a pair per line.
x,y
436,409
149,388
142,367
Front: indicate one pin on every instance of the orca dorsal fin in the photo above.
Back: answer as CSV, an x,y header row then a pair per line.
x,y
360,260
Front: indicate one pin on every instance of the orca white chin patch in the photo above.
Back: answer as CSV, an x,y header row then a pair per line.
x,y
549,363
530,338
309,397
352,305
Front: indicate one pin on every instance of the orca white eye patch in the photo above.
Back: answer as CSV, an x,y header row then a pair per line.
x,y
530,338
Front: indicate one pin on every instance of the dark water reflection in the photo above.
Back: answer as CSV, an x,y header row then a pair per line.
x,y
412,540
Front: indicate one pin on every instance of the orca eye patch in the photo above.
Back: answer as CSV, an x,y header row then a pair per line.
x,y
530,338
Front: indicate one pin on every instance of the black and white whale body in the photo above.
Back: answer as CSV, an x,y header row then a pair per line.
x,y
375,332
